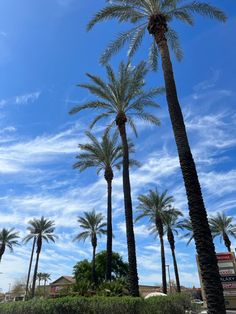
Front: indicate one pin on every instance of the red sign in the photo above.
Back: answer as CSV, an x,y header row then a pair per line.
x,y
229,285
224,256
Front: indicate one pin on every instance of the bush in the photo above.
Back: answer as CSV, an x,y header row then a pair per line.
x,y
175,304
115,288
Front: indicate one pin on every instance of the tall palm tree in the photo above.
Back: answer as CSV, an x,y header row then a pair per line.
x,y
93,226
172,224
223,226
152,206
122,97
154,17
8,238
41,229
30,266
105,156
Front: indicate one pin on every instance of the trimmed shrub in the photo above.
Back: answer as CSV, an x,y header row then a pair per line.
x,y
176,304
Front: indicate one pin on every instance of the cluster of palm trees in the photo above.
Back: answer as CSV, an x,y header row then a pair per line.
x,y
39,230
45,277
122,96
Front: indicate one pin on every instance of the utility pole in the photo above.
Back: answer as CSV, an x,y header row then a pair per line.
x,y
168,268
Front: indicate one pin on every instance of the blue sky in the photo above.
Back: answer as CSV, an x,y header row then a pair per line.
x,y
44,52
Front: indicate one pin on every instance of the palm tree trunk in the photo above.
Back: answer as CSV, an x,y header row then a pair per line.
x,y
39,246
171,240
30,265
201,231
163,265
133,274
109,230
35,274
227,241
2,250
94,277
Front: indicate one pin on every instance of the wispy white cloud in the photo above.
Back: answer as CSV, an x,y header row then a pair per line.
x,y
23,99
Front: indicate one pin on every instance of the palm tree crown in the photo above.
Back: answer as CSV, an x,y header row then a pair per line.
x,y
153,206
103,155
148,15
171,220
122,96
8,238
223,226
93,225
42,229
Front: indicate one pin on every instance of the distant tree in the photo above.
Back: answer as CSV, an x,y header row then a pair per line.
x,y
45,277
152,206
171,226
8,239
41,229
93,227
222,226
83,270
39,277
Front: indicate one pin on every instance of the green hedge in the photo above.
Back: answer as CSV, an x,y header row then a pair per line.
x,y
175,304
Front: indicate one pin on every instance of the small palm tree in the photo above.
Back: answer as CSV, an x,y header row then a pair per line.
x,y
41,229
154,17
45,277
8,238
39,277
105,156
93,227
122,98
152,206
171,223
223,226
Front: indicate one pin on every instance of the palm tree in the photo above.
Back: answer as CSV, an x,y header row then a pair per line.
x,y
152,206
8,238
223,226
45,278
154,17
171,223
93,226
123,98
41,229
105,156
30,266
39,277
186,224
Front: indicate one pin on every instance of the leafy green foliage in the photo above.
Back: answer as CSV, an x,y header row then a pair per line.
x,y
121,93
83,269
8,238
174,304
139,12
93,226
118,287
221,224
